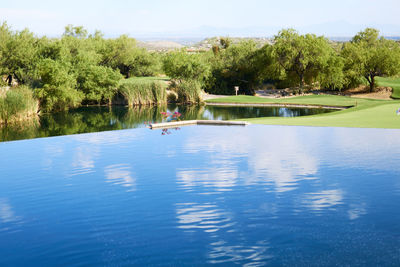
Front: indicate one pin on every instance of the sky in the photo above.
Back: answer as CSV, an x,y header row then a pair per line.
x,y
187,18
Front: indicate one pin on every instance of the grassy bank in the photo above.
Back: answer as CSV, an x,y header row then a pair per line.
x,y
365,113
319,100
391,82
17,104
139,91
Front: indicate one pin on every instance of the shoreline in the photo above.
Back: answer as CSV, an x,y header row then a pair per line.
x,y
277,105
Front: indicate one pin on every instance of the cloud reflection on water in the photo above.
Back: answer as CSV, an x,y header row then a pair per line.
x,y
323,199
211,219
280,159
222,252
207,217
219,179
6,212
120,174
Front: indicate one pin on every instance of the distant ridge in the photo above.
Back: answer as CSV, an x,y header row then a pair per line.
x,y
160,44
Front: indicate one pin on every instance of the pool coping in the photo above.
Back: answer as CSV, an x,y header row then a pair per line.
x,y
175,124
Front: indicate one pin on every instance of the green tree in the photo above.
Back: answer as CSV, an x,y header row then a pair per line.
x,y
17,53
123,54
242,65
369,56
303,57
181,66
98,83
57,89
75,31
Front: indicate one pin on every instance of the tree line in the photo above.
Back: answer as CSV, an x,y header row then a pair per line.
x,y
293,60
82,68
78,68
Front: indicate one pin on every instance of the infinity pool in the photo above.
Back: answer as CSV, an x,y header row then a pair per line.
x,y
202,195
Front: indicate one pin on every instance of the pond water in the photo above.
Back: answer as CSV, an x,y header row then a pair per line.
x,y
96,119
202,195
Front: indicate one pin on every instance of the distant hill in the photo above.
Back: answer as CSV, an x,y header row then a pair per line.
x,y
159,45
209,42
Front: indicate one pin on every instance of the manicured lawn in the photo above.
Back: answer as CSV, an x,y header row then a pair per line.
x,y
367,113
328,100
390,82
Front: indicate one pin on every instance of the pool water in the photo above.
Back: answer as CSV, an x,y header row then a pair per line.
x,y
202,195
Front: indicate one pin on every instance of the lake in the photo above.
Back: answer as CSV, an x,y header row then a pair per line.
x,y
202,195
96,119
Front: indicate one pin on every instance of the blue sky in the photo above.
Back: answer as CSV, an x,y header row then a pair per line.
x,y
210,17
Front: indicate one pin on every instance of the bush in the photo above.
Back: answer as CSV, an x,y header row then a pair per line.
x,y
143,92
60,98
189,92
172,97
17,104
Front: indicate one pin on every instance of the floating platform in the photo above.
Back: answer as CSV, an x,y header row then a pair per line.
x,y
175,124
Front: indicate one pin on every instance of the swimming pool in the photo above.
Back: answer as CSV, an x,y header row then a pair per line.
x,y
202,195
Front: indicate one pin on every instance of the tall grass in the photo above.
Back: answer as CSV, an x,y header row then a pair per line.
x,y
143,92
17,104
189,92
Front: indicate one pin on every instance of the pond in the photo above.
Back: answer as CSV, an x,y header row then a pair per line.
x,y
96,119
202,195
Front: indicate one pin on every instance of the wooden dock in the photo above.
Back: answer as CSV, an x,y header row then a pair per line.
x,y
175,124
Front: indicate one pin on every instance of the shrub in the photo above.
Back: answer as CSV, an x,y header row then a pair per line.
x,y
172,97
143,92
17,104
189,92
60,98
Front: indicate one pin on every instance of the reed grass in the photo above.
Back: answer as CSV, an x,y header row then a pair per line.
x,y
143,92
17,104
189,92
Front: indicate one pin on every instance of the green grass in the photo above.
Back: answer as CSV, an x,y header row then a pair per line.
x,y
328,100
390,82
17,104
143,91
368,113
189,92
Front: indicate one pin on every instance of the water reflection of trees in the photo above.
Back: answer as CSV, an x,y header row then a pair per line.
x,y
96,119
82,120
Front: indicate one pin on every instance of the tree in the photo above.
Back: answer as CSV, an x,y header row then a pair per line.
x,y
369,56
17,53
75,31
57,89
304,57
98,83
182,66
123,54
242,65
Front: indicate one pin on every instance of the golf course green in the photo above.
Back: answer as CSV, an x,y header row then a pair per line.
x,y
362,112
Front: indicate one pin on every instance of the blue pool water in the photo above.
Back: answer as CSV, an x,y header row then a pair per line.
x,y
202,195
